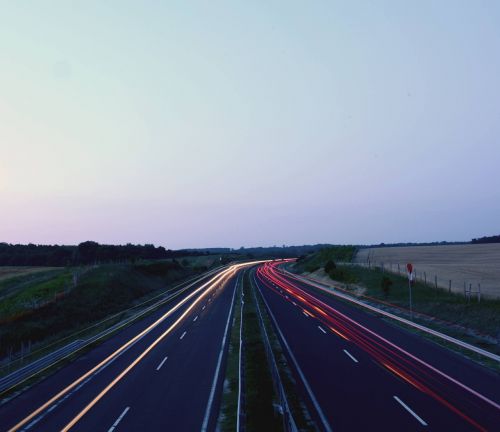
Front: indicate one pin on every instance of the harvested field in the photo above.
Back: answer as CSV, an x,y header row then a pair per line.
x,y
470,264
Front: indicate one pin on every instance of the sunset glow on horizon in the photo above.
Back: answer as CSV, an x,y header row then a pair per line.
x,y
227,124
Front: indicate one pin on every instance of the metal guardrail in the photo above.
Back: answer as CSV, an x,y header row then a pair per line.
x,y
22,374
40,364
410,323
289,424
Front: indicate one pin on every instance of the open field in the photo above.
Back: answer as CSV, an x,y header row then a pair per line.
x,y
470,264
9,272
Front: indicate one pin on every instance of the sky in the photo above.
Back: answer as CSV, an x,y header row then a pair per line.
x,y
228,124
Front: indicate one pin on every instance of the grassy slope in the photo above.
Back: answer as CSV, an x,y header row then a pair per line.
x,y
100,291
462,316
483,317
26,292
9,272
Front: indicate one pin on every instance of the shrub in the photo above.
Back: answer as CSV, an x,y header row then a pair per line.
x,y
385,285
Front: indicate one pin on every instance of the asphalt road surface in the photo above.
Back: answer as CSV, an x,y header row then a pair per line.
x,y
162,373
361,373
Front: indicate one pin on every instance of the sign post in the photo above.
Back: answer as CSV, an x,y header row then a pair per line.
x,y
409,270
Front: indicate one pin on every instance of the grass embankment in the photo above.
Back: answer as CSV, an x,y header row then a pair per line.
x,y
50,306
24,291
259,397
451,313
8,272
483,317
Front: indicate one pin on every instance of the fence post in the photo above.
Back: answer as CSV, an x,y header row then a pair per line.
x,y
449,287
436,281
399,270
465,295
425,278
479,293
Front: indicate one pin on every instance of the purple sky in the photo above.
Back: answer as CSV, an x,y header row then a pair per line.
x,y
196,125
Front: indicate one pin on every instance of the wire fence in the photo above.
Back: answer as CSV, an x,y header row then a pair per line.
x,y
470,289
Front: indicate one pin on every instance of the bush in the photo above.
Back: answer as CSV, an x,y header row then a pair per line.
x,y
330,266
385,285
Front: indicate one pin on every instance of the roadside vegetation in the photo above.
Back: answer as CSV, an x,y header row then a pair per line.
x,y
258,396
451,313
43,307
296,403
317,260
229,405
260,400
483,317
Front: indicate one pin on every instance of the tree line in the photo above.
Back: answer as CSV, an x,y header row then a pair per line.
x,y
85,253
490,239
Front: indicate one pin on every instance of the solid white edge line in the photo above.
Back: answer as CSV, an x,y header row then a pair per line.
x,y
322,329
447,338
414,357
238,412
182,336
118,420
351,356
324,420
161,364
217,369
56,400
413,413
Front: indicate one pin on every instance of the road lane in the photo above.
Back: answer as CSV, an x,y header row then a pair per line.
x,y
344,388
174,398
56,414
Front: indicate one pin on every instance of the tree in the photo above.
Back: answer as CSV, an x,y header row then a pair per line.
x,y
330,266
87,251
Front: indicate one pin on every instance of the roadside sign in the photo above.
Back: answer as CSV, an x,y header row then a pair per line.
x,y
409,269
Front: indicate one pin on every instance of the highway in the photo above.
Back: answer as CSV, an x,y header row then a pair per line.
x,y
359,372
162,373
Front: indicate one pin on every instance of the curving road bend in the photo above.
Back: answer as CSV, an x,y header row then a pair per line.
x,y
360,372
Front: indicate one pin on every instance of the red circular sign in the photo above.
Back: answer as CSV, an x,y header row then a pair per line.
x,y
409,267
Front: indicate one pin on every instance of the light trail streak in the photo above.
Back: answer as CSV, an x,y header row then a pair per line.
x,y
397,360
206,287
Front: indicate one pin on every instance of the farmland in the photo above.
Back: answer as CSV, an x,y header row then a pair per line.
x,y
468,263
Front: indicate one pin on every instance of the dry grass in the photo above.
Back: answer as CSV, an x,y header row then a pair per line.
x,y
472,264
9,272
